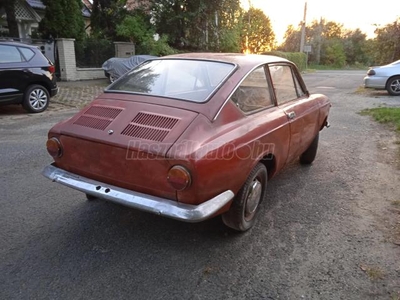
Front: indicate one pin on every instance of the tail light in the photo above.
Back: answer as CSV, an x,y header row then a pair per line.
x,y
371,72
179,178
54,147
52,69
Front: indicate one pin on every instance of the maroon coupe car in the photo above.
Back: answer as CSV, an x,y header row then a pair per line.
x,y
191,136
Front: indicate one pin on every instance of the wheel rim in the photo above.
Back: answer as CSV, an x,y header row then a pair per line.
x,y
395,86
112,79
253,199
38,99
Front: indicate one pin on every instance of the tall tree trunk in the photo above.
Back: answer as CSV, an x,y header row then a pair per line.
x,y
9,6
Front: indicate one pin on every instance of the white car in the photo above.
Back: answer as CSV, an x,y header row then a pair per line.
x,y
384,77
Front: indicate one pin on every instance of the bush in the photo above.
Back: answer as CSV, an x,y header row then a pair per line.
x,y
156,48
92,52
298,58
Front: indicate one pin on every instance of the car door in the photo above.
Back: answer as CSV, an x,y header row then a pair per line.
x,y
265,125
292,98
13,74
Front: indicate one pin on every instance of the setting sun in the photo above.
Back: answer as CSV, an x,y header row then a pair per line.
x,y
352,14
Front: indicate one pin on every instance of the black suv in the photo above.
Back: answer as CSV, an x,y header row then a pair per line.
x,y
26,77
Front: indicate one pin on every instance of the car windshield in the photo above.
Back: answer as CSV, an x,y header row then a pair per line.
x,y
191,80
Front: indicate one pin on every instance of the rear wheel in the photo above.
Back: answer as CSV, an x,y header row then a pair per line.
x,y
36,98
244,209
393,86
308,156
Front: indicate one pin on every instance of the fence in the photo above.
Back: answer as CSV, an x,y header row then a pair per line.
x,y
92,53
72,69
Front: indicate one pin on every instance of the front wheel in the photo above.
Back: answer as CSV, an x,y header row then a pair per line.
x,y
36,99
243,211
393,86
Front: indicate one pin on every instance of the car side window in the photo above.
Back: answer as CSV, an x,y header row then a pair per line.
x,y
253,93
10,54
28,53
286,85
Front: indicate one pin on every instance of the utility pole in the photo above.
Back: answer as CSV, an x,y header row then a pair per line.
x,y
303,28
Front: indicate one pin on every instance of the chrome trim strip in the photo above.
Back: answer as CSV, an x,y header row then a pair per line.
x,y
152,204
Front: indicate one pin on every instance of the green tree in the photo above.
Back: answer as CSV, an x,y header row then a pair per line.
x,y
257,34
354,43
9,8
62,19
106,15
387,43
199,25
291,40
333,53
136,27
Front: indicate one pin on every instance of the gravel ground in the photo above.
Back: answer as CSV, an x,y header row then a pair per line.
x,y
328,231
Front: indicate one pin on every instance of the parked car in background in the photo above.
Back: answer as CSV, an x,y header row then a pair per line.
x,y
115,67
191,136
384,77
26,77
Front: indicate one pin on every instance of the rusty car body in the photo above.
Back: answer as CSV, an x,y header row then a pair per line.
x,y
191,136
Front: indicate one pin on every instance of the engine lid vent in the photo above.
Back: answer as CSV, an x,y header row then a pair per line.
x,y
150,126
98,117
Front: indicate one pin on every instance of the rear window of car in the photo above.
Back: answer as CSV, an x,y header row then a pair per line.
x,y
28,53
191,80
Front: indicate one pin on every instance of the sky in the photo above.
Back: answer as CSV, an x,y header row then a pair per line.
x,y
351,13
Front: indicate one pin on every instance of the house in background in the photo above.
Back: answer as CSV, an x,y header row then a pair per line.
x,y
30,12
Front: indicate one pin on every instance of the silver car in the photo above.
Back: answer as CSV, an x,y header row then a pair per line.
x,y
384,77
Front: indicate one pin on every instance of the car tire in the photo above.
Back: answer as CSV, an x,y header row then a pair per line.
x,y
309,155
36,98
90,197
245,207
393,86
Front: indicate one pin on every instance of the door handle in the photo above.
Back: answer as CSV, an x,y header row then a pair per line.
x,y
291,115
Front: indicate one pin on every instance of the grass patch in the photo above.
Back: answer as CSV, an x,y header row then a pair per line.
x,y
385,115
375,273
395,296
396,203
361,90
327,68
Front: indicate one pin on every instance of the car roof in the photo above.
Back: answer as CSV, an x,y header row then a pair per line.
x,y
235,58
13,43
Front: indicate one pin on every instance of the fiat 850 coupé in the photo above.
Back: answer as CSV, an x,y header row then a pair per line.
x,y
191,136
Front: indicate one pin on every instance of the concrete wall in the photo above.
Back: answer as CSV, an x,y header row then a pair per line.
x,y
123,49
69,71
66,56
89,73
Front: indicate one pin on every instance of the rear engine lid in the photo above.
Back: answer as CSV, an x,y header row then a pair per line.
x,y
133,125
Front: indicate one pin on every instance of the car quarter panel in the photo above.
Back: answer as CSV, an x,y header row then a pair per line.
x,y
221,155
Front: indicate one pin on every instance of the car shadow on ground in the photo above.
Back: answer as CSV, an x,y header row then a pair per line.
x,y
12,110
18,112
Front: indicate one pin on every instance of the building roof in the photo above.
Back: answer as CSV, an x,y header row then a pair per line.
x,y
36,4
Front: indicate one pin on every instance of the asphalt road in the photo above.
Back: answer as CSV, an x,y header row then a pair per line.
x,y
327,232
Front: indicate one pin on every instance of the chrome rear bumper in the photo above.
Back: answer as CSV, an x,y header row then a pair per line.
x,y
152,204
